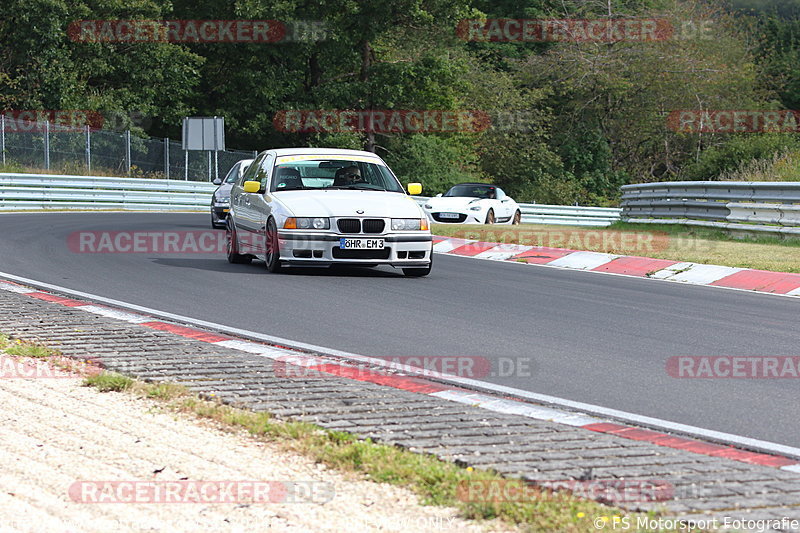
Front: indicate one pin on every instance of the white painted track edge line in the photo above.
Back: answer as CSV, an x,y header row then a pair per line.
x,y
624,416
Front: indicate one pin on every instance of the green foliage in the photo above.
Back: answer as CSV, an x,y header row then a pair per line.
x,y
715,162
437,162
587,117
109,382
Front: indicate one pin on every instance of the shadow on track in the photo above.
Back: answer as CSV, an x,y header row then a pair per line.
x,y
257,267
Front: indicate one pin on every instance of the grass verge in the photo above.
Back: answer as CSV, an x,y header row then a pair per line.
x,y
436,482
676,243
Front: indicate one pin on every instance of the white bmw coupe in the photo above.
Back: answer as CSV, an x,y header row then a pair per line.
x,y
473,203
318,206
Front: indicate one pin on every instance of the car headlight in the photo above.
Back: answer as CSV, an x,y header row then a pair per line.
x,y
307,223
222,200
409,224
475,208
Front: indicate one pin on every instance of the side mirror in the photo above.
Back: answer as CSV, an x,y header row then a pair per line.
x,y
217,181
438,195
252,186
414,188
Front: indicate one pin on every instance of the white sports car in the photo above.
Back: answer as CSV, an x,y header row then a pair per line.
x,y
473,203
319,206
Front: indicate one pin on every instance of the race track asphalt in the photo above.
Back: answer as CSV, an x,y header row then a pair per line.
x,y
590,337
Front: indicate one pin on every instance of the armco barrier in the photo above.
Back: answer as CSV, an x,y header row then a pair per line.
x,y
45,191
752,206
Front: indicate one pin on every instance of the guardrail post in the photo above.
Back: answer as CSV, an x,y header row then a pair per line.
x,y
216,164
3,137
128,151
88,148
186,165
47,145
209,165
166,157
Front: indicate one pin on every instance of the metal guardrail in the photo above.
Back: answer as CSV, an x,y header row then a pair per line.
x,y
762,207
43,191
562,215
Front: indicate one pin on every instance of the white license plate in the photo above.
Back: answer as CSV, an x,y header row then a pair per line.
x,y
361,244
449,215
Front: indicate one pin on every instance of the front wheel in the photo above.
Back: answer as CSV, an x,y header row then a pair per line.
x,y
517,218
490,217
273,252
232,247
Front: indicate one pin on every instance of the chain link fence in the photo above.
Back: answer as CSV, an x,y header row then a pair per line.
x,y
84,150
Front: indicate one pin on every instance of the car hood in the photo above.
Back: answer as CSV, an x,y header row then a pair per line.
x,y
345,203
454,203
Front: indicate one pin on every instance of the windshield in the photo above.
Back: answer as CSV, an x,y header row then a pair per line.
x,y
232,177
472,191
237,171
325,173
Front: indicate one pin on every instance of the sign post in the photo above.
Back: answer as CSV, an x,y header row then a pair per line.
x,y
205,133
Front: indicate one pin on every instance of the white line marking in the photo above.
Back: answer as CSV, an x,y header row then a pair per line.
x,y
500,405
583,260
596,410
114,313
502,252
15,288
449,245
254,348
698,274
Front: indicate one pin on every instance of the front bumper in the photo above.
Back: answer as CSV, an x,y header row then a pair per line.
x,y
470,217
220,211
311,248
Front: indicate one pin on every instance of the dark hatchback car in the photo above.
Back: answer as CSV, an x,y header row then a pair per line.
x,y
221,199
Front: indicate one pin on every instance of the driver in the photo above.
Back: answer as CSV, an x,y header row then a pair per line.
x,y
349,176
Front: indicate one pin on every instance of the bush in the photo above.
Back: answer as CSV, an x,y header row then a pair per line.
x,y
715,162
437,162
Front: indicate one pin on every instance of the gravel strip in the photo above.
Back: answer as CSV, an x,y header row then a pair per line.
x,y
53,432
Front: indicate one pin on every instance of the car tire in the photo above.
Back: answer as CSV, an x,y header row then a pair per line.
x,y
272,251
232,248
490,217
419,272
517,218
